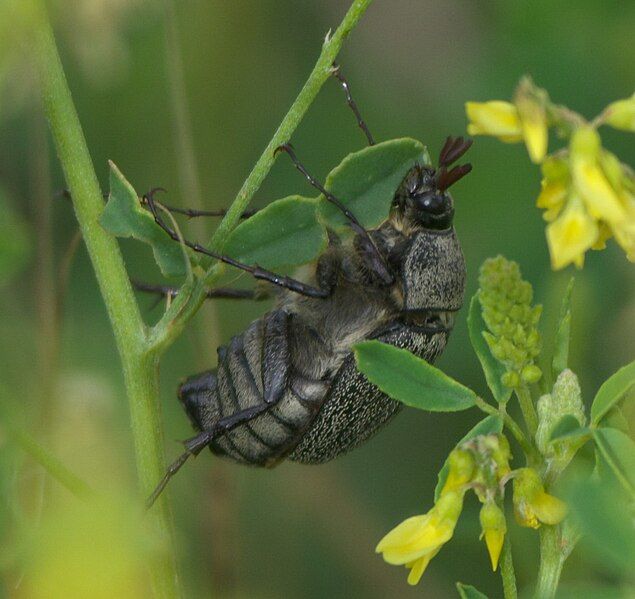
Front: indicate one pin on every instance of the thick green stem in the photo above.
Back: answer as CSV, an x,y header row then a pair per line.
x,y
552,558
186,304
140,368
507,571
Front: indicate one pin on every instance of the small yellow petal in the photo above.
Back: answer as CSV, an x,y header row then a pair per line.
x,y
534,126
604,234
418,567
552,197
549,509
494,540
572,234
599,196
496,118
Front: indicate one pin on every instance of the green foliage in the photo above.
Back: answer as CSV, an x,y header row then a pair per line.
x,y
125,217
560,359
411,380
618,452
603,520
467,591
492,368
488,426
568,427
365,181
14,241
612,391
285,233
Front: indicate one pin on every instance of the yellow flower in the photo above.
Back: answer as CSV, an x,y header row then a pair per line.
x,y
494,528
621,114
571,235
533,120
600,197
415,541
532,505
496,118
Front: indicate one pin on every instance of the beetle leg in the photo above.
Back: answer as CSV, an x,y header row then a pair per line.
x,y
218,292
255,270
195,445
337,73
378,262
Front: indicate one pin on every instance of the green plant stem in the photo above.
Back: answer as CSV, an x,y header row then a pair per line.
x,y
186,304
508,575
528,410
43,457
139,366
552,558
509,422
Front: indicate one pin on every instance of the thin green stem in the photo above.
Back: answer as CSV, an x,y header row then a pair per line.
x,y
528,409
188,302
43,457
139,367
552,558
509,422
508,574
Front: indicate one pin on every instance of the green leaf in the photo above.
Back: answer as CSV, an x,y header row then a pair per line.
x,y
611,391
15,243
411,380
618,451
492,368
604,521
285,233
560,358
488,426
467,591
366,181
567,427
124,216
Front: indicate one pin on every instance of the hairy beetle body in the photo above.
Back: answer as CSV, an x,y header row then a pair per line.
x,y
300,352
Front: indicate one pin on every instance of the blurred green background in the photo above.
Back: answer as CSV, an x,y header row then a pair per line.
x,y
295,531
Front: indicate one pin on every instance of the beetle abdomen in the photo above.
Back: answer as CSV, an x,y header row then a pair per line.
x,y
354,408
237,384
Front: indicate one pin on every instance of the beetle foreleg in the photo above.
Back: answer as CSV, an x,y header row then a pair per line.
x,y
379,263
337,73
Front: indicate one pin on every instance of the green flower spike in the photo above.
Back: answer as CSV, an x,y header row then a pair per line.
x,y
513,337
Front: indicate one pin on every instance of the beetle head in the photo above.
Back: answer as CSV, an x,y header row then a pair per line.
x,y
424,196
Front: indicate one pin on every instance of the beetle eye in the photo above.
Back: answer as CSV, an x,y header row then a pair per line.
x,y
431,202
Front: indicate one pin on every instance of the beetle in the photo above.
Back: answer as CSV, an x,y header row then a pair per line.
x,y
288,387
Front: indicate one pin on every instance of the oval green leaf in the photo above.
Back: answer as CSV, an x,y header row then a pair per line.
x,y
567,427
612,391
366,181
411,380
124,216
492,368
618,451
285,233
467,591
488,426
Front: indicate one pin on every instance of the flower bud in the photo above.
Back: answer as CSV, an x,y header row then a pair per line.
x,y
494,527
532,505
621,114
461,468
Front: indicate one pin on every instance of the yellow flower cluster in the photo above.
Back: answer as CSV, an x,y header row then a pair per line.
x,y
588,195
481,464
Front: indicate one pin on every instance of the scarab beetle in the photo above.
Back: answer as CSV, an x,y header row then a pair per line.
x,y
288,386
